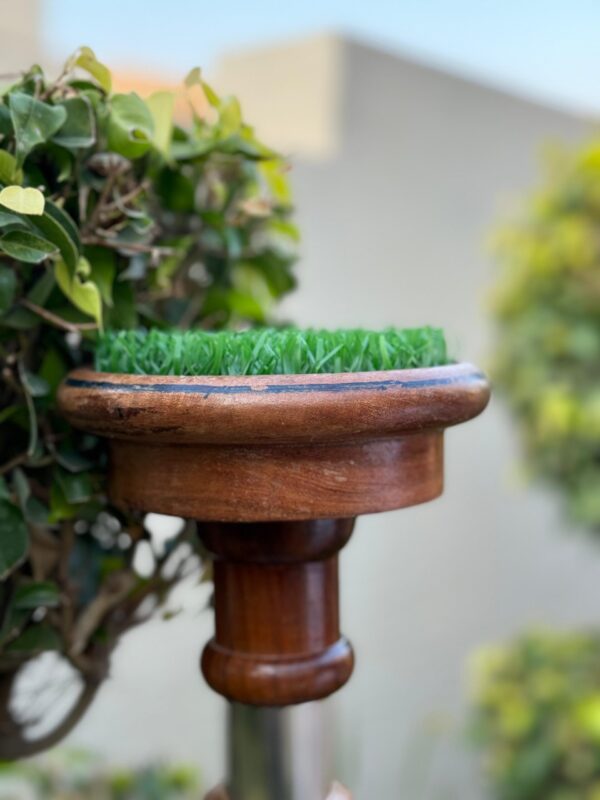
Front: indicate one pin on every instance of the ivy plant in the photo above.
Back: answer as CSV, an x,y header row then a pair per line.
x,y
112,215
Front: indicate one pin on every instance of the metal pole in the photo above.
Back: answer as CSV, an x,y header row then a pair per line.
x,y
259,753
280,754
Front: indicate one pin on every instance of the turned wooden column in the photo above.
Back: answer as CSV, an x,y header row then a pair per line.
x,y
277,632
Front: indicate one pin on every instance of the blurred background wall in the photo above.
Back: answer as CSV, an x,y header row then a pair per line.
x,y
400,170
22,41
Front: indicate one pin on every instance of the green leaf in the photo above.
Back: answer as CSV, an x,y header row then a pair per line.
x,y
20,319
124,312
79,129
84,294
285,229
9,171
8,286
176,190
26,247
14,539
34,122
60,509
35,639
130,126
6,126
13,623
85,58
76,486
245,305
230,117
61,161
273,171
194,148
53,366
33,510
161,105
194,78
41,289
27,201
72,459
36,386
7,218
103,271
35,594
21,485
33,424
59,228
5,414
59,215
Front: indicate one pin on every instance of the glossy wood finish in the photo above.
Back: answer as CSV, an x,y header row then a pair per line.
x,y
277,639
233,483
277,467
273,408
275,447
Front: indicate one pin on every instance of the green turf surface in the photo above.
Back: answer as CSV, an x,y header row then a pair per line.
x,y
268,351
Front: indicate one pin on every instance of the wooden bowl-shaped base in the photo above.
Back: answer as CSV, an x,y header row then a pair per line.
x,y
275,447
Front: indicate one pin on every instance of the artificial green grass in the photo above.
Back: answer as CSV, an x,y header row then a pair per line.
x,y
268,351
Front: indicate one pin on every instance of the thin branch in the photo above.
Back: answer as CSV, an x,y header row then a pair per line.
x,y
56,83
18,746
14,462
58,322
120,201
133,247
101,203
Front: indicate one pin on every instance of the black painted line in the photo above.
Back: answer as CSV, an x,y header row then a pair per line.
x,y
274,388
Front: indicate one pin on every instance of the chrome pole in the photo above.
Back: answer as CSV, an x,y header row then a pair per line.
x,y
280,754
259,753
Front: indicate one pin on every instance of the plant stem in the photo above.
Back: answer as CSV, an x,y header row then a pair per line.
x,y
58,322
132,247
14,462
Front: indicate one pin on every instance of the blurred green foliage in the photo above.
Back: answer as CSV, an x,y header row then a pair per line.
x,y
547,305
537,716
111,215
72,775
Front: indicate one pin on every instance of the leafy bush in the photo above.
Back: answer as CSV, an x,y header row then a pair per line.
x,y
73,775
537,716
548,310
268,351
111,214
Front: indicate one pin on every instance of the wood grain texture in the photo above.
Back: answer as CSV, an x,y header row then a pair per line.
x,y
275,447
233,483
276,467
277,634
272,408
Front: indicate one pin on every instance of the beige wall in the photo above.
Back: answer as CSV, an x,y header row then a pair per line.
x,y
20,34
293,93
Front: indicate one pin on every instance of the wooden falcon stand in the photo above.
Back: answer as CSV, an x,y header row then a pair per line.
x,y
275,468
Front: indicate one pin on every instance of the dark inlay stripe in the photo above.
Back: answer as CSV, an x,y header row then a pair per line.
x,y
274,388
